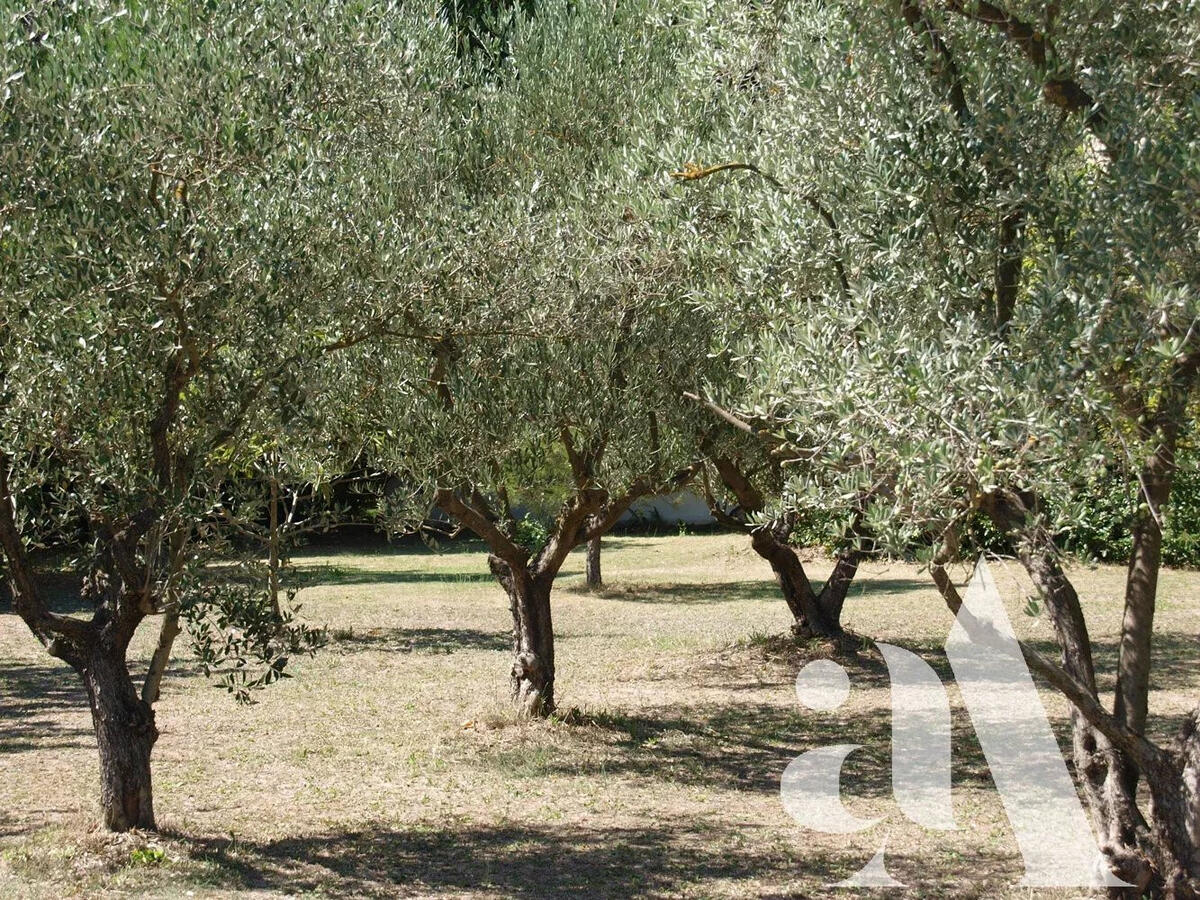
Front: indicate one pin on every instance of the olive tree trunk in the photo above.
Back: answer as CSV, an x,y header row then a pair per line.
x,y
532,674
814,614
1122,829
125,735
1159,855
594,579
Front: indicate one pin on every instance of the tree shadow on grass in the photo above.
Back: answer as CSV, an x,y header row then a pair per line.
x,y
690,593
35,698
736,591
339,576
1176,661
61,591
867,586
744,746
418,640
613,542
374,546
666,858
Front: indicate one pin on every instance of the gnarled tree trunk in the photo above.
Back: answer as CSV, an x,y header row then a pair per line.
x,y
1160,855
815,614
1189,752
532,637
1172,780
1123,832
125,735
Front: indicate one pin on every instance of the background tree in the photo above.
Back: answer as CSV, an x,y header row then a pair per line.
x,y
762,234
743,485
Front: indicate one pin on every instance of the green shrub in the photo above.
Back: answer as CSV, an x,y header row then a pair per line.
x,y
1099,530
532,533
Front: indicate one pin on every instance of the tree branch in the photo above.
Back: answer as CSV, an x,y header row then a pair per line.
x,y
718,512
1065,93
694,172
565,535
498,542
739,424
28,602
924,29
1146,754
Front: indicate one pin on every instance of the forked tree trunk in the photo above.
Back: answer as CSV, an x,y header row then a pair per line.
x,y
125,735
594,579
171,628
1123,831
814,614
1160,855
532,637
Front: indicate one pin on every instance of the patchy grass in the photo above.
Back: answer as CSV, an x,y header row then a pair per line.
x,y
391,764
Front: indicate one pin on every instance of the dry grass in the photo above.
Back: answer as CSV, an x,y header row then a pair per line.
x,y
391,766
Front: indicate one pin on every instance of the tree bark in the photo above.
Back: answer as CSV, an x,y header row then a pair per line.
x,y
594,579
1189,752
125,735
274,548
815,615
1141,589
152,686
1122,828
1160,855
532,637
1172,783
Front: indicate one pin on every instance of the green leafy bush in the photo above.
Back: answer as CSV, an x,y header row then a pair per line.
x,y
1099,523
532,533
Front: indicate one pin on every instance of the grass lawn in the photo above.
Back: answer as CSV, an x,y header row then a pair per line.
x,y
391,766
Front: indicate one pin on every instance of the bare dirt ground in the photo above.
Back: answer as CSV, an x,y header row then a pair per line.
x,y
389,764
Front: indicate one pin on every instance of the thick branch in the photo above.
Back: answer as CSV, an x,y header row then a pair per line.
x,y
1010,258
748,496
1146,754
579,466
1032,43
944,65
1065,93
27,598
498,542
718,510
612,509
567,532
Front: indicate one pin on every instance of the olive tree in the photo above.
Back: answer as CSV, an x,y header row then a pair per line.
x,y
179,252
764,235
561,305
744,485
1019,307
